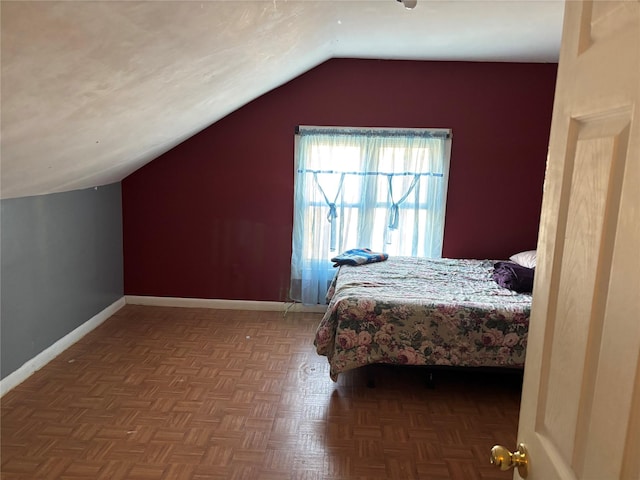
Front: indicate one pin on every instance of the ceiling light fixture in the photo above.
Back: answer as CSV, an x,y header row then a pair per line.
x,y
409,4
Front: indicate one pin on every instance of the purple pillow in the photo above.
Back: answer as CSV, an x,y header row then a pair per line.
x,y
513,276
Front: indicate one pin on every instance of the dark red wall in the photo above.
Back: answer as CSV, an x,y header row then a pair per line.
x,y
212,218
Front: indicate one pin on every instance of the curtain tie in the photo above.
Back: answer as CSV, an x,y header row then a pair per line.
x,y
333,213
394,211
394,216
331,216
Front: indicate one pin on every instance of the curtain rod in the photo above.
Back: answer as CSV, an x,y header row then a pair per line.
x,y
431,132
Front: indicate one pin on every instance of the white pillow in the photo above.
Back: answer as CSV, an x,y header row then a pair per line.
x,y
526,259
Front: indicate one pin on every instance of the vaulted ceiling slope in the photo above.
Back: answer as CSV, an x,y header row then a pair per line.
x,y
93,90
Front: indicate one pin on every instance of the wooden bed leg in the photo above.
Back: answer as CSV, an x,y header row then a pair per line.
x,y
429,380
371,382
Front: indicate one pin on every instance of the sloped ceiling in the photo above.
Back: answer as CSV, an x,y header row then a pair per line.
x,y
93,90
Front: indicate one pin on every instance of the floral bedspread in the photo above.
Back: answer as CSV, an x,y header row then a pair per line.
x,y
419,311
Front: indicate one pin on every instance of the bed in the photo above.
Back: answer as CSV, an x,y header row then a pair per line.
x,y
419,311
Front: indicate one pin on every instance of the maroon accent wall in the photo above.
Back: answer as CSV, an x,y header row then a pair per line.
x,y
212,218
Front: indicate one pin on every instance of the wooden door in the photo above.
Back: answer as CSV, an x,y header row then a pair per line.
x,y
580,413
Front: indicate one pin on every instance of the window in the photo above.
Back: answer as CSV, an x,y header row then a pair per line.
x,y
383,189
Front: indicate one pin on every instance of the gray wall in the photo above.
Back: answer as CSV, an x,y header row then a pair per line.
x,y
61,264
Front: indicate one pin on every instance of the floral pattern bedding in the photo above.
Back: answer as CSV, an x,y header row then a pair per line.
x,y
419,311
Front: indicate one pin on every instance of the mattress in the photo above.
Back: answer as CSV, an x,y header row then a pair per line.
x,y
419,311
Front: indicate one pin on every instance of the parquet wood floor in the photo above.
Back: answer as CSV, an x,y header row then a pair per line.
x,y
177,393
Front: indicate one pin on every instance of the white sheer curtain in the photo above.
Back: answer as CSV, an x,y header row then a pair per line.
x,y
383,189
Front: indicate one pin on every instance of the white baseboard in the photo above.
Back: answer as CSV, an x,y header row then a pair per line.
x,y
44,357
36,363
224,304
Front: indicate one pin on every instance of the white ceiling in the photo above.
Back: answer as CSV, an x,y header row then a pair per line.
x,y
92,91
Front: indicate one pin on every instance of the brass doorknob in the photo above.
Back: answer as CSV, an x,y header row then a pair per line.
x,y
504,459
